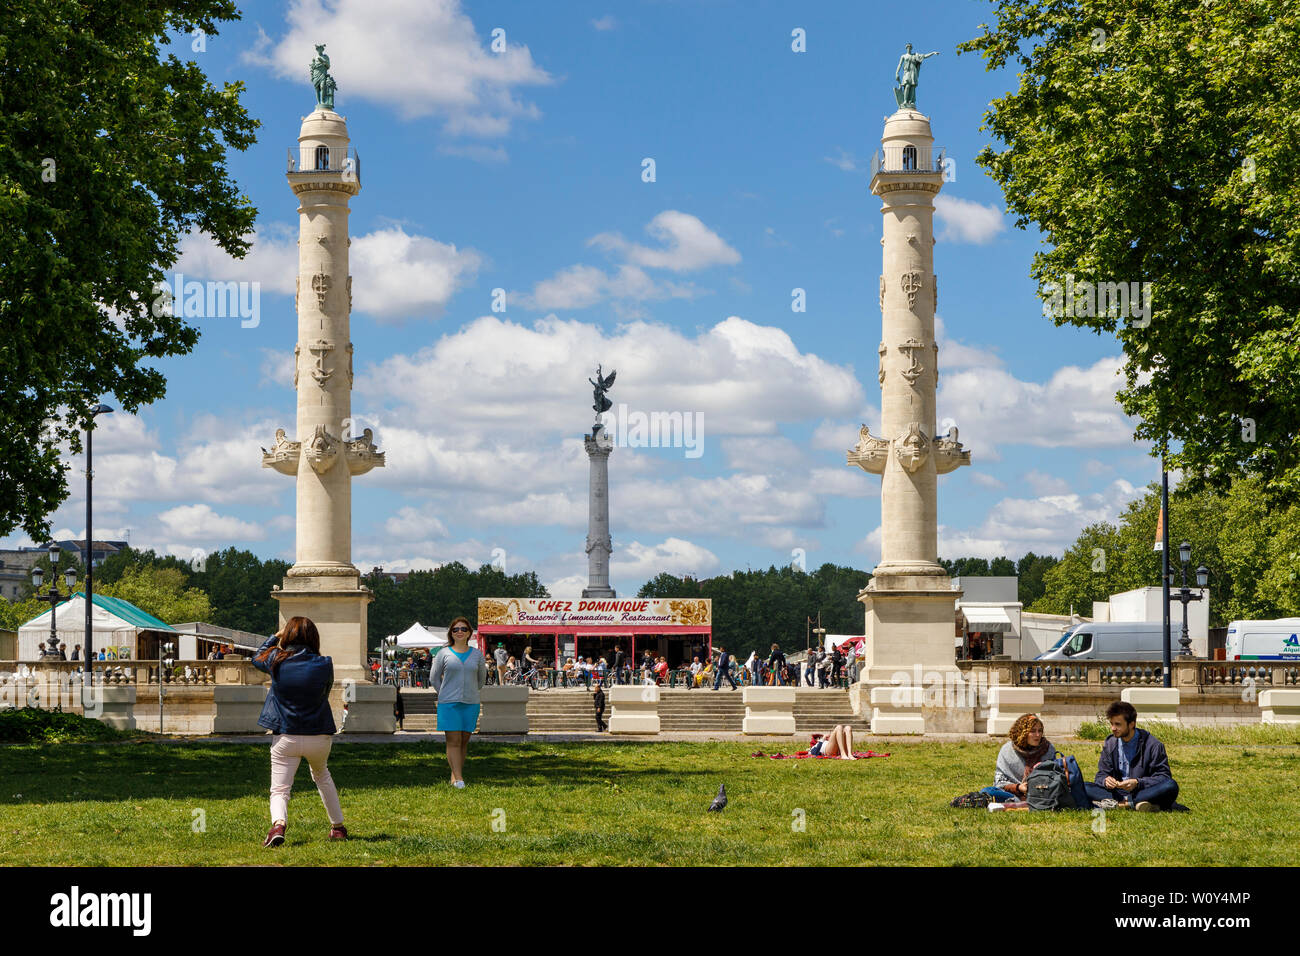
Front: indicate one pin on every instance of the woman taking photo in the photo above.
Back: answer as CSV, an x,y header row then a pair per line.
x,y
297,712
459,673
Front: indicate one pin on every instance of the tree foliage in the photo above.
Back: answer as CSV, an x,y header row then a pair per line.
x,y
109,154
754,609
1156,142
1251,551
435,597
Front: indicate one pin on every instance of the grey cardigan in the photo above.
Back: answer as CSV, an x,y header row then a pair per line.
x,y
457,681
1011,766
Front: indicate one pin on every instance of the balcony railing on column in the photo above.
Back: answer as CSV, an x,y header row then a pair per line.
x,y
324,159
907,159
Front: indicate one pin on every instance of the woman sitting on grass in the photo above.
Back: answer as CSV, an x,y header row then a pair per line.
x,y
838,743
1025,748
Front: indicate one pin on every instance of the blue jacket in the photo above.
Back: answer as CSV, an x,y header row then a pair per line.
x,y
1150,764
298,701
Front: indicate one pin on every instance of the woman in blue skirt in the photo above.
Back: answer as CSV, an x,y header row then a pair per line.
x,y
459,672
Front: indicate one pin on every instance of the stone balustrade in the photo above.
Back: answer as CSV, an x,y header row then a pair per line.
x,y
188,673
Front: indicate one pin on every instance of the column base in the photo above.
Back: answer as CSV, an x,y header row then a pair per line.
x,y
336,603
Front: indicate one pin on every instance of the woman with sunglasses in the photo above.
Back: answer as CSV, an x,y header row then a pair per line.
x,y
459,673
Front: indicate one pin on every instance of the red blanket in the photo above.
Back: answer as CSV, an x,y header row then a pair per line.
x,y
800,755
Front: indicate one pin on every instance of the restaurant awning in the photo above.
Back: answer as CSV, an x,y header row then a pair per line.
x,y
986,620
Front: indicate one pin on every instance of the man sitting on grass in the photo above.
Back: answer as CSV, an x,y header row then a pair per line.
x,y
1134,768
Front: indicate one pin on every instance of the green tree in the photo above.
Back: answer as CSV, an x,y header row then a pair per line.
x,y
163,592
1155,142
111,154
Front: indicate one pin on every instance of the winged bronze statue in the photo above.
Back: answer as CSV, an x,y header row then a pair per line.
x,y
602,384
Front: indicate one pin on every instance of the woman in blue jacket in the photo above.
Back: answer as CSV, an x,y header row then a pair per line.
x,y
458,674
297,712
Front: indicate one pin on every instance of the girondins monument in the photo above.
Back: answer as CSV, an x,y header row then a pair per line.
x,y
910,602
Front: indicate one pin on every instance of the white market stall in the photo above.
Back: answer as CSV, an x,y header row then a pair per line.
x,y
417,635
119,626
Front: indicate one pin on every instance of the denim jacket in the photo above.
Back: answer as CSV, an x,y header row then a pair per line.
x,y
298,701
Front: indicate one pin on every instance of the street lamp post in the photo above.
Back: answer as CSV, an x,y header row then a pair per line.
x,y
165,664
54,597
89,647
1185,595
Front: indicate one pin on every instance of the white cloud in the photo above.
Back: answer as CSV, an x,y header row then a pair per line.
x,y
414,524
1041,483
199,523
607,22
1046,524
689,245
272,259
1076,407
967,221
845,160
638,562
394,274
422,57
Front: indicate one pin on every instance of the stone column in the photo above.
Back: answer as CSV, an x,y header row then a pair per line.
x,y
910,604
599,546
324,455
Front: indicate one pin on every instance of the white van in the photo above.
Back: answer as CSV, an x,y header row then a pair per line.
x,y
1264,640
1113,641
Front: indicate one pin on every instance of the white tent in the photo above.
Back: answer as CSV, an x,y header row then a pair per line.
x,y
116,624
417,635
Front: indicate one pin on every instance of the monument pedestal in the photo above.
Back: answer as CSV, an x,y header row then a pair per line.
x,y
336,604
910,679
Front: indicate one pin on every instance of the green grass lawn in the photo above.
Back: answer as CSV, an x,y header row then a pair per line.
x,y
626,803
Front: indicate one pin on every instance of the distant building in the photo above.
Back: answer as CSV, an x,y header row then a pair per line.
x,y
16,563
989,612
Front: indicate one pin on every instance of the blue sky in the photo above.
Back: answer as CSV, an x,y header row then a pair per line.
x,y
522,171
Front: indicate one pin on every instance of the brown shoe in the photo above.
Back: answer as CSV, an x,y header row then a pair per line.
x,y
339,832
276,835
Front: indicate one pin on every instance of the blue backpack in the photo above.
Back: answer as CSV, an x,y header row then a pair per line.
x,y
1074,778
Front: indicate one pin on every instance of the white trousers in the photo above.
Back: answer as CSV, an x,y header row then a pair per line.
x,y
287,751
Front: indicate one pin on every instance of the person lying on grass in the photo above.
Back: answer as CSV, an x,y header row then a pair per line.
x,y
838,743
1026,747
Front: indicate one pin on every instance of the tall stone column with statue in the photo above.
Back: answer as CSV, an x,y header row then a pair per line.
x,y
910,603
325,451
599,445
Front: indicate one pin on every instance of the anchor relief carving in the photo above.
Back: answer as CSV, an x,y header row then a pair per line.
x,y
320,348
914,367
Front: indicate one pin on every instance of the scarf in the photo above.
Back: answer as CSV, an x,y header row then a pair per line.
x,y
1031,757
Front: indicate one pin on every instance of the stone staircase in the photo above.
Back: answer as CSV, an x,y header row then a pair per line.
x,y
700,710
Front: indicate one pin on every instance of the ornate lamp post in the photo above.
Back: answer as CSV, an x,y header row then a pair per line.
x,y
1185,595
54,597
88,651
